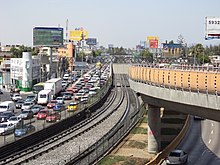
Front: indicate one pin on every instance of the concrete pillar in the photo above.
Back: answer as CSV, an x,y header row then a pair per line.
x,y
154,129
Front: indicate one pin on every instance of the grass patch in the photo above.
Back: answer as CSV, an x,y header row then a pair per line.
x,y
111,159
139,130
144,120
136,144
122,160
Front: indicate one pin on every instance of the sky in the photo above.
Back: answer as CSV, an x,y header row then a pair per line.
x,y
119,22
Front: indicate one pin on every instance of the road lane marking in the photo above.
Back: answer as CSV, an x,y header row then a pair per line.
x,y
212,132
210,141
212,124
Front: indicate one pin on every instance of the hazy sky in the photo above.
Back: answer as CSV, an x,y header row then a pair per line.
x,y
119,22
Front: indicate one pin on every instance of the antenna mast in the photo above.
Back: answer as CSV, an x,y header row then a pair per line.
x,y
67,22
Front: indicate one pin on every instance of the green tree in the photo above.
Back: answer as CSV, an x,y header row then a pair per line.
x,y
198,51
17,52
145,54
96,53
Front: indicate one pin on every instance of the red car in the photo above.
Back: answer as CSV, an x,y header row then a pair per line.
x,y
53,117
70,90
42,114
51,104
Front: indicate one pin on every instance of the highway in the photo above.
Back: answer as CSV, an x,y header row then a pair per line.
x,y
201,142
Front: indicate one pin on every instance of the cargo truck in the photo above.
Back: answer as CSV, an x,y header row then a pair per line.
x,y
54,85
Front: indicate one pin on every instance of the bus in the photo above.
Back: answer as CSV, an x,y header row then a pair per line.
x,y
38,87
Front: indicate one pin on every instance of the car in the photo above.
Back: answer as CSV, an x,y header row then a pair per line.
x,y
27,105
3,119
32,98
84,99
51,104
53,117
70,90
36,108
6,128
78,96
7,114
19,103
16,120
27,114
15,97
177,156
42,114
24,130
73,106
199,118
67,96
58,107
60,100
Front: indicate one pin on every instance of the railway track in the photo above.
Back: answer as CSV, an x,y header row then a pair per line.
x,y
130,110
32,154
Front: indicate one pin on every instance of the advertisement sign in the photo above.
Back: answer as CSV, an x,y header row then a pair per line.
x,y
212,29
153,44
47,36
78,34
152,38
91,41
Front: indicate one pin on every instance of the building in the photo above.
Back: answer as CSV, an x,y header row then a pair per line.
x,y
215,60
68,51
25,71
171,49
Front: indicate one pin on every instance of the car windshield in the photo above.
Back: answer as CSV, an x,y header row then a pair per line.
x,y
3,106
13,118
3,125
59,98
44,112
31,97
25,112
175,154
53,101
27,104
71,104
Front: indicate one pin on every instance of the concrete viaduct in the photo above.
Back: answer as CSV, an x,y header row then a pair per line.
x,y
185,101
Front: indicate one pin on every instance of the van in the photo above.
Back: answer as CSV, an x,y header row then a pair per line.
x,y
7,106
44,97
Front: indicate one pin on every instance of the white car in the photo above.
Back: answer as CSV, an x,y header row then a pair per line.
x,y
6,128
16,97
177,157
15,120
60,100
26,105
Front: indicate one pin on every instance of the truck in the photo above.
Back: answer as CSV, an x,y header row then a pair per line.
x,y
44,97
54,85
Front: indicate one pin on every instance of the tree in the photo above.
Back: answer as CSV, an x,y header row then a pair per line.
x,y
147,55
17,52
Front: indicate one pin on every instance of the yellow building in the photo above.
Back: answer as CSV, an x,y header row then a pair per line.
x,y
67,51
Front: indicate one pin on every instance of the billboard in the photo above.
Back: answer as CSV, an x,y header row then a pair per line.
x,y
78,34
153,44
91,41
212,29
47,36
152,38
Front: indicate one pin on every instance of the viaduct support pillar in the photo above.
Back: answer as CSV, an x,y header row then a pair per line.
x,y
154,129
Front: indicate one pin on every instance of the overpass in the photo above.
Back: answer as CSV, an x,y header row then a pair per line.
x,y
192,91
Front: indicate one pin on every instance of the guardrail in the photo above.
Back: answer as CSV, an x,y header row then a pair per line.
x,y
111,139
163,154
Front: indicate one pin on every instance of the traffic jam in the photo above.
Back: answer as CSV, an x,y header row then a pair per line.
x,y
59,96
